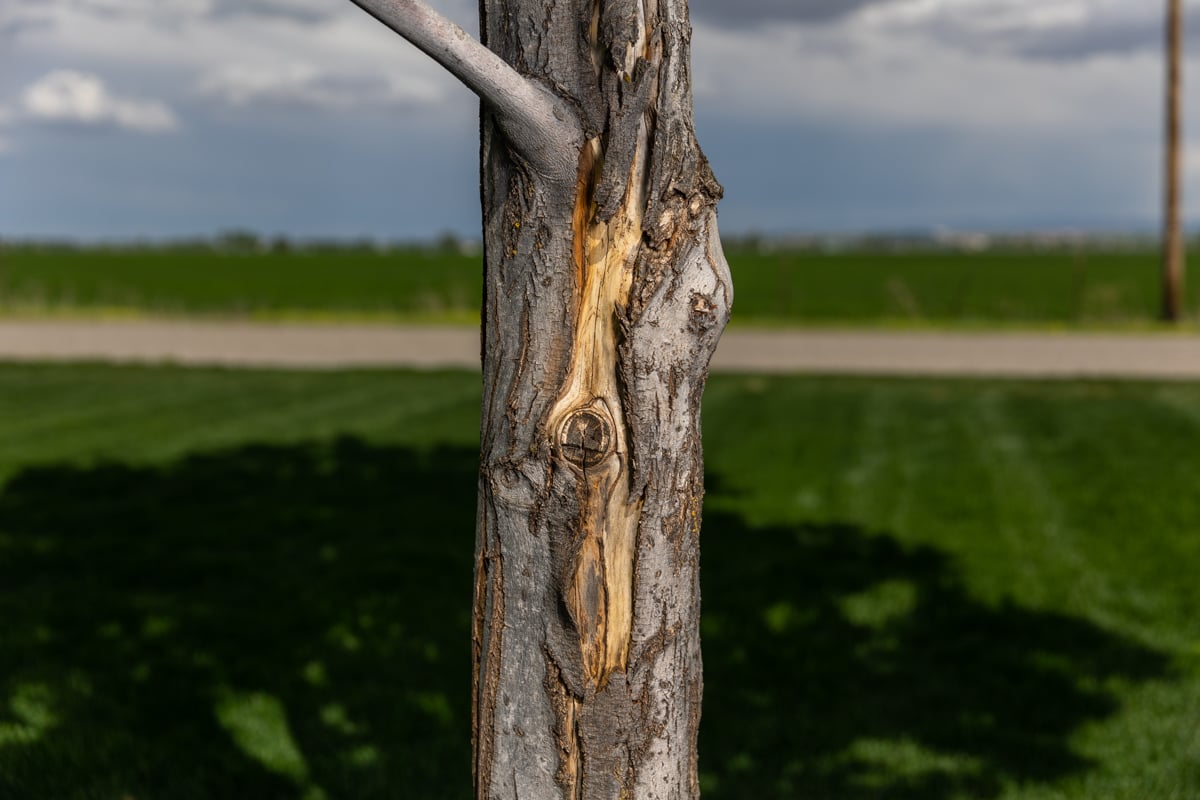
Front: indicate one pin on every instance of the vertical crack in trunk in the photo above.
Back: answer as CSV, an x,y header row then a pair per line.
x,y
569,775
486,636
588,422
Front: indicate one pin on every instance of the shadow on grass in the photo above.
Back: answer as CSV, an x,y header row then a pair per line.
x,y
841,665
265,622
292,622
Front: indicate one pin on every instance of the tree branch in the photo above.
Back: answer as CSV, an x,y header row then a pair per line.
x,y
543,129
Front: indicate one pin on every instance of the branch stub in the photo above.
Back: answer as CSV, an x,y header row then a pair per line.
x,y
585,439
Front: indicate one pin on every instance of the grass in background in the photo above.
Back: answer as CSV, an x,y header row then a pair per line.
x,y
1054,287
441,285
224,584
895,288
937,589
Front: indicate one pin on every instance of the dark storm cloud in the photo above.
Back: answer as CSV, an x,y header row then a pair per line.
x,y
1101,37
1107,27
1094,37
747,13
1087,42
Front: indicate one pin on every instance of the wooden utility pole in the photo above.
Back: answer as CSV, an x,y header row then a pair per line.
x,y
1173,246
605,293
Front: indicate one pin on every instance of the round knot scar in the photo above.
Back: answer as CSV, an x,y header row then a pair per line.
x,y
585,439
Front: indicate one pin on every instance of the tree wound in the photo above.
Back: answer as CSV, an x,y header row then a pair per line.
x,y
585,439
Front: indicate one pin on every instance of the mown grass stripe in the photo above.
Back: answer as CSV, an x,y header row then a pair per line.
x,y
912,589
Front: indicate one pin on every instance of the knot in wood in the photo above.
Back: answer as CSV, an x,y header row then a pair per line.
x,y
585,439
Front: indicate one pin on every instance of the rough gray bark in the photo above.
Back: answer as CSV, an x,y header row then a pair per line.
x,y
1173,249
606,291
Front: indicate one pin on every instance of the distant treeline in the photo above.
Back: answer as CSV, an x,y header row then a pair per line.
x,y
248,241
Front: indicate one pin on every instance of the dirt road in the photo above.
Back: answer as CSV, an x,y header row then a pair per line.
x,y
1043,355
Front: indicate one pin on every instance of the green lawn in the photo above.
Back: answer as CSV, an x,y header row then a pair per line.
x,y
1054,288
256,584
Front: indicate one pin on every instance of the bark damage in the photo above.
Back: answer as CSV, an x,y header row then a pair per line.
x,y
591,434
605,293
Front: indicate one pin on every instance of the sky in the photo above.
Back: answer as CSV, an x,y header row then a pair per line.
x,y
164,118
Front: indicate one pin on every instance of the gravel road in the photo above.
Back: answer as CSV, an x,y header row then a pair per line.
x,y
1033,355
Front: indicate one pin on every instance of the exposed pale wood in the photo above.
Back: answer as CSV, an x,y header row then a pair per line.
x,y
600,594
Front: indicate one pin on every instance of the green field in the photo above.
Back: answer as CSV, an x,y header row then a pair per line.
x,y
257,584
1007,287
1060,287
413,284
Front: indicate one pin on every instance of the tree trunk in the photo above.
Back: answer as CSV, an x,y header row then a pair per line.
x,y
1173,249
605,292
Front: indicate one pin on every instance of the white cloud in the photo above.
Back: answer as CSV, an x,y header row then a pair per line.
x,y
316,53
81,98
246,85
140,7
